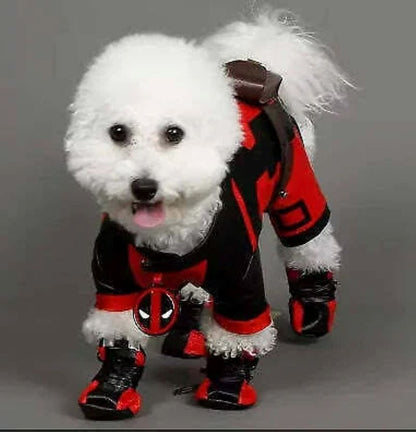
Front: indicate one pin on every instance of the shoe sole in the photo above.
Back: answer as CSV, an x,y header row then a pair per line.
x,y
222,405
94,412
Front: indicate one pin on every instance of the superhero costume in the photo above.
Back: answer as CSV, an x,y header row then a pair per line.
x,y
270,173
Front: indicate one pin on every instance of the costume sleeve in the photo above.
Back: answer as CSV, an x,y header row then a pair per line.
x,y
240,305
109,264
301,213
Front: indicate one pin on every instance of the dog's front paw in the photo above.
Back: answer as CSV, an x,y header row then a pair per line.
x,y
312,319
312,304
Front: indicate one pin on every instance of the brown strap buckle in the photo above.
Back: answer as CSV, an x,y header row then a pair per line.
x,y
253,83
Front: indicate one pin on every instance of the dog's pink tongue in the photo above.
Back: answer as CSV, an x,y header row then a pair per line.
x,y
149,216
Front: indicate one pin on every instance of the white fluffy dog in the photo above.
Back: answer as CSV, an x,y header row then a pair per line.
x,y
155,127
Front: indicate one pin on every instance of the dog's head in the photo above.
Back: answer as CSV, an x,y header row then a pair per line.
x,y
153,125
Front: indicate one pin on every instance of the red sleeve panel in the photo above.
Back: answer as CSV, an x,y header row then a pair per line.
x,y
303,213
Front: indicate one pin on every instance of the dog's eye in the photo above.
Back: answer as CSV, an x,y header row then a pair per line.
x,y
119,133
173,134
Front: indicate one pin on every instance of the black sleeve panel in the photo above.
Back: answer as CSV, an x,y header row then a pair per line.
x,y
302,213
241,299
109,265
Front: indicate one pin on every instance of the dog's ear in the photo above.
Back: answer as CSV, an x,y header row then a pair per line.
x,y
253,83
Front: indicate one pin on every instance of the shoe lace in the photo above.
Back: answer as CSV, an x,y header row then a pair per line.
x,y
316,291
231,370
120,373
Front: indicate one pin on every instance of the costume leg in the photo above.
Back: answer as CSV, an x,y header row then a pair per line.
x,y
186,340
309,269
112,395
238,332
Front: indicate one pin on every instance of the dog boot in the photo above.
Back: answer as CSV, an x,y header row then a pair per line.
x,y
312,304
111,395
227,385
185,340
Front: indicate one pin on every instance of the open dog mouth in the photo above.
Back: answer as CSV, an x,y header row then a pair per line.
x,y
148,215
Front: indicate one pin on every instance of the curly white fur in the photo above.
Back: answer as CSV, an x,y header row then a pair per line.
x,y
222,342
194,293
312,82
307,131
320,254
111,326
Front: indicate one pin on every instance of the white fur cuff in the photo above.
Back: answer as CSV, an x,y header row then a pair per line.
x,y
111,326
222,342
320,254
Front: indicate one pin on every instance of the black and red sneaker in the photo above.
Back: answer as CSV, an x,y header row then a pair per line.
x,y
185,340
227,385
312,304
112,395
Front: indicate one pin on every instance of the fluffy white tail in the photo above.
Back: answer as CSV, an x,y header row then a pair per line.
x,y
312,82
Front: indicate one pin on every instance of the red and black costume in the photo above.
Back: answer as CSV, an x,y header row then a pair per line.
x,y
227,262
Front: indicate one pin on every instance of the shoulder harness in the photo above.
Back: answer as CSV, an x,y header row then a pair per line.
x,y
256,85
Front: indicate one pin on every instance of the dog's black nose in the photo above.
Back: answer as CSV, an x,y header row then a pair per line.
x,y
144,189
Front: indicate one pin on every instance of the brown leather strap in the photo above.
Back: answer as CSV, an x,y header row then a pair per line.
x,y
256,85
253,82
277,116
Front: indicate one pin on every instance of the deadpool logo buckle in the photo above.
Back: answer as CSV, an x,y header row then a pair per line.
x,y
156,311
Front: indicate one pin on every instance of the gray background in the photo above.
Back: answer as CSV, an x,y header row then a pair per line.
x,y
363,375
